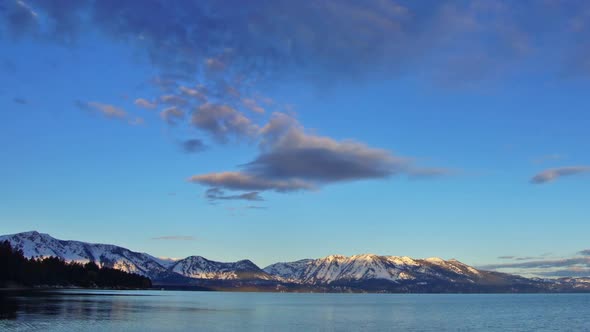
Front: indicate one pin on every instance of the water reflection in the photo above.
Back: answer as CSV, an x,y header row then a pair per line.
x,y
85,306
71,310
8,307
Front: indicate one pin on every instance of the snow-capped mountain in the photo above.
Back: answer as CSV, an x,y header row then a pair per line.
x,y
370,267
335,273
375,273
289,271
201,268
34,244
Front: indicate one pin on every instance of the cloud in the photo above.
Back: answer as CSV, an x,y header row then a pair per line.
x,y
165,82
223,122
243,182
198,93
172,115
214,194
175,238
555,173
110,111
505,257
192,145
173,100
252,105
341,39
546,263
107,110
570,272
576,266
255,207
143,103
292,159
214,64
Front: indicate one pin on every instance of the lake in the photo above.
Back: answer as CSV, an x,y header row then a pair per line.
x,y
94,310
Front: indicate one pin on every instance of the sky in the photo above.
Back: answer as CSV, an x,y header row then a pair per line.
x,y
281,130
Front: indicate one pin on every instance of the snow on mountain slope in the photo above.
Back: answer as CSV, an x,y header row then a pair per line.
x,y
34,244
288,271
370,267
332,273
201,268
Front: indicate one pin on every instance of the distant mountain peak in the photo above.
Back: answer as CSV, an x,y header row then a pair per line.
x,y
362,272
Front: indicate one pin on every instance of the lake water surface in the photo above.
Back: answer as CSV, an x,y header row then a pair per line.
x,y
84,310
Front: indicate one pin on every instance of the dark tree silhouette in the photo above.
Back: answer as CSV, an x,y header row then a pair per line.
x,y
16,269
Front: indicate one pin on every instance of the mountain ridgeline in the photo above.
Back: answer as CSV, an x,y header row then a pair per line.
x,y
359,273
16,270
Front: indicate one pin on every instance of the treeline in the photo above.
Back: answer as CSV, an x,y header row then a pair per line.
x,y
17,270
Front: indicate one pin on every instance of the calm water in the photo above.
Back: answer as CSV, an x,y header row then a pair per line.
x,y
214,311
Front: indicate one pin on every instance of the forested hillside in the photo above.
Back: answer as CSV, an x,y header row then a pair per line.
x,y
17,270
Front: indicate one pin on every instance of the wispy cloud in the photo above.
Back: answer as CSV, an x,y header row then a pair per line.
x,y
243,182
172,115
451,40
575,266
199,93
255,207
215,194
175,238
110,111
556,173
107,110
173,100
252,105
144,103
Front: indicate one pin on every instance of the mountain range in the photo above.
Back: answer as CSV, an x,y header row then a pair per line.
x,y
335,273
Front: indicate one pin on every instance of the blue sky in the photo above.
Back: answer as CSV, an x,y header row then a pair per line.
x,y
277,131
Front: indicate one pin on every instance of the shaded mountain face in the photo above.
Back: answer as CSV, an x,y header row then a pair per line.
x,y
201,268
335,273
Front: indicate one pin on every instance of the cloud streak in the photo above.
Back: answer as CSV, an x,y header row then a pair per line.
x,y
541,263
144,103
242,181
215,194
577,266
107,110
553,174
